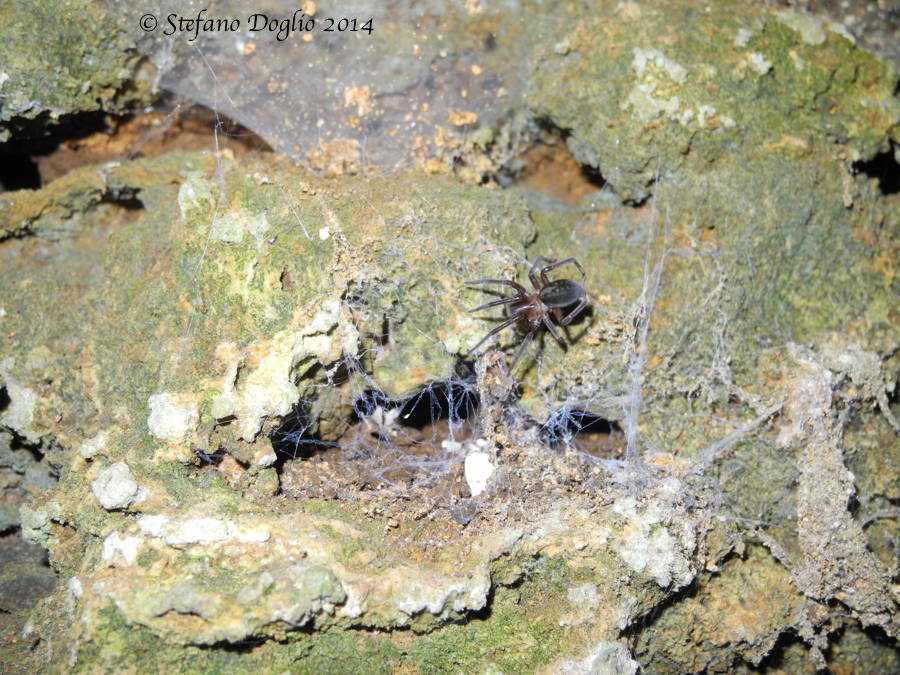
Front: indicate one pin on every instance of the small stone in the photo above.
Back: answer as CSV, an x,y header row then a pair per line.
x,y
115,487
92,446
170,418
264,457
478,469
197,531
127,547
464,512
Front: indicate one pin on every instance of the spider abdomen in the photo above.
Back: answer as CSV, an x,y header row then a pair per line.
x,y
561,293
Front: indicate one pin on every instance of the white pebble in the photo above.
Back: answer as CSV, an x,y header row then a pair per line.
x,y
115,486
171,419
196,531
127,547
478,469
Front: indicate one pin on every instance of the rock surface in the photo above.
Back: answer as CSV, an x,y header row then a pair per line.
x,y
236,396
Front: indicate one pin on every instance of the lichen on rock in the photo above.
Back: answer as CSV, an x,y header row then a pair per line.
x,y
249,389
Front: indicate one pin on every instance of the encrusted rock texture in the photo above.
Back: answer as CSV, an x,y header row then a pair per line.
x,y
212,362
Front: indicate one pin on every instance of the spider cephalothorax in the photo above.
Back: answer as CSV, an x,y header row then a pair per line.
x,y
530,311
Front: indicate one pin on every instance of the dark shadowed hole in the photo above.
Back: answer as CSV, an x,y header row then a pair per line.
x,y
547,167
296,437
19,168
368,403
196,117
18,171
4,399
127,200
885,168
210,458
35,449
42,151
777,658
239,647
180,124
592,433
593,176
456,401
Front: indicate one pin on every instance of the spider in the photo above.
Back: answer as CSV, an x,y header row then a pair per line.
x,y
532,310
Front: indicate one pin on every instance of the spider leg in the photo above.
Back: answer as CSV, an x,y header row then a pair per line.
x,y
571,315
519,287
554,333
509,322
532,274
521,349
554,265
494,303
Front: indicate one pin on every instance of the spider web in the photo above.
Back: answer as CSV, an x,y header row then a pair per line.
x,y
420,441
350,96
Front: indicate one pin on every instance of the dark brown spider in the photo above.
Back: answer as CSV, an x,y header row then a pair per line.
x,y
530,311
